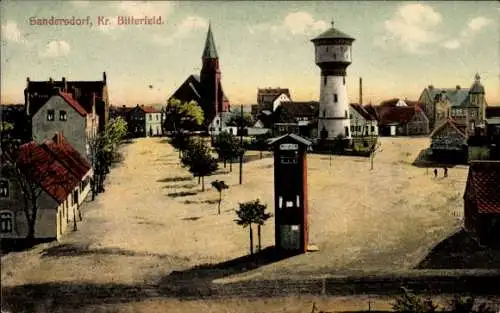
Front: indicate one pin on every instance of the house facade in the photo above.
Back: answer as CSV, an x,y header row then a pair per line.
x,y
61,182
297,117
62,113
467,106
482,202
145,121
449,143
91,95
362,122
402,120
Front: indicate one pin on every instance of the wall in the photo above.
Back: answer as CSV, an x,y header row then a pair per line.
x,y
360,126
73,129
153,123
331,85
418,125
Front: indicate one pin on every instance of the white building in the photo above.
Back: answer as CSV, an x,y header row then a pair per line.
x,y
333,56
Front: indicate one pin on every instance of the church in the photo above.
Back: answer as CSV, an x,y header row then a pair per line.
x,y
206,88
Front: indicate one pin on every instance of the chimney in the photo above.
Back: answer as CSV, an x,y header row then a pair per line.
x,y
123,106
458,87
104,77
431,87
360,91
27,80
58,138
65,86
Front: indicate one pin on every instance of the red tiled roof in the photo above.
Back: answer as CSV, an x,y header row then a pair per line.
x,y
67,155
41,167
149,109
400,115
484,185
73,103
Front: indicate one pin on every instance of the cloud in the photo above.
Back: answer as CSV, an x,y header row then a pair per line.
x,y
56,48
295,24
145,8
187,26
474,25
412,28
80,3
11,32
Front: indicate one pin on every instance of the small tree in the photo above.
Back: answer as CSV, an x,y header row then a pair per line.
x,y
220,185
261,142
182,115
252,212
374,149
199,161
222,145
238,120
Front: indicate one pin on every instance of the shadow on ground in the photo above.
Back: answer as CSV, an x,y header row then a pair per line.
x,y
460,251
424,160
187,186
182,194
74,250
175,179
209,201
16,245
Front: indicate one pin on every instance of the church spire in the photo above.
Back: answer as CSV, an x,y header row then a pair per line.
x,y
210,52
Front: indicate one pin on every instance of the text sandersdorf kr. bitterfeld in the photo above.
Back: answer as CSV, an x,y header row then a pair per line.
x,y
97,21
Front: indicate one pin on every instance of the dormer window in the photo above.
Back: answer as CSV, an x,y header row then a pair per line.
x,y
4,188
50,115
62,116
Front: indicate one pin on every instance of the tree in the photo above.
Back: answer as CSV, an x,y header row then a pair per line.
x,y
261,142
245,120
21,163
374,149
228,147
220,185
103,149
182,115
252,212
199,160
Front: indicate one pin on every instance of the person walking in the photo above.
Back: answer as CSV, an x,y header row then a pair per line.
x,y
435,173
445,172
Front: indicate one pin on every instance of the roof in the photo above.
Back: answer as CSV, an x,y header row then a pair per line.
x,y
453,124
67,155
371,110
73,103
483,183
456,96
363,112
399,115
303,108
492,111
268,95
43,168
295,137
210,52
332,33
149,109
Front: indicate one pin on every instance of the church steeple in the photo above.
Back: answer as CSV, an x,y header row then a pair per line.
x,y
210,52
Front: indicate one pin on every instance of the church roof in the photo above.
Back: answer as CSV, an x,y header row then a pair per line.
x,y
210,52
332,33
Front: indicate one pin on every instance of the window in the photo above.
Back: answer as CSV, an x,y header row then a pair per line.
x,y
335,56
157,117
149,117
324,80
352,128
335,98
6,222
324,113
350,116
4,188
345,114
343,80
346,130
50,115
373,129
62,116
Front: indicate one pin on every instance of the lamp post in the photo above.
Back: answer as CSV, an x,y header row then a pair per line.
x,y
241,144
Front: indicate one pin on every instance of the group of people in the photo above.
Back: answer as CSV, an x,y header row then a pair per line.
x,y
445,172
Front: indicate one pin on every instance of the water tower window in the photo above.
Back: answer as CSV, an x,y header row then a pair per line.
x,y
343,80
335,98
324,80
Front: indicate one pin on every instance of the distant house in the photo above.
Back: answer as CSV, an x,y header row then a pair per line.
x,y
92,95
63,180
449,142
482,202
296,117
62,113
362,122
466,105
115,112
401,118
14,115
145,121
270,98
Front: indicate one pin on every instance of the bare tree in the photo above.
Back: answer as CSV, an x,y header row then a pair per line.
x,y
375,148
30,176
220,185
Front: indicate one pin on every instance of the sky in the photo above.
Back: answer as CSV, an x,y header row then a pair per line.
x,y
400,47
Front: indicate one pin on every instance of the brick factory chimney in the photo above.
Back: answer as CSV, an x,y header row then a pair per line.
x,y
360,91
